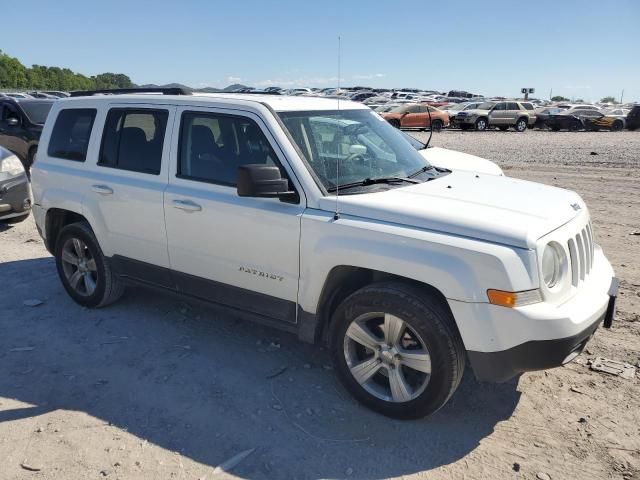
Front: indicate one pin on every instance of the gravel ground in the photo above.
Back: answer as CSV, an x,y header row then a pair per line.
x,y
155,387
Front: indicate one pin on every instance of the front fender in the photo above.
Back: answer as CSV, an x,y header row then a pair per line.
x,y
460,268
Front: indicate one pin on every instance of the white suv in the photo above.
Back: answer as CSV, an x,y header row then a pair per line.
x,y
317,217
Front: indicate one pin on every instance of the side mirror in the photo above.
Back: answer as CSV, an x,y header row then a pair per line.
x,y
258,180
12,121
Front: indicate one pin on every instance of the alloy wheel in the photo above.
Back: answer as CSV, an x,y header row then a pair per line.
x,y
387,357
79,267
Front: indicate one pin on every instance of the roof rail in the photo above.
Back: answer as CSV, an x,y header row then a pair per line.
x,y
121,91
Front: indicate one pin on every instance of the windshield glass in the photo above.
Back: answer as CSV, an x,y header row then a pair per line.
x,y
486,106
400,108
359,142
36,111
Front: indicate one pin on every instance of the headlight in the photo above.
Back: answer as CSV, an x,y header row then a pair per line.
x,y
553,260
11,166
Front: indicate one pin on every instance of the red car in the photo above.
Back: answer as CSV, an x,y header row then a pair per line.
x,y
415,115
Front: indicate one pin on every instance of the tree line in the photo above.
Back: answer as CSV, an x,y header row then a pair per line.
x,y
14,75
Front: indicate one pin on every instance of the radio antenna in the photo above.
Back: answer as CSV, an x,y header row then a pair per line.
x,y
336,216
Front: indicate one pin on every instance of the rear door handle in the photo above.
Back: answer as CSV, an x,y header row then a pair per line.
x,y
102,189
186,205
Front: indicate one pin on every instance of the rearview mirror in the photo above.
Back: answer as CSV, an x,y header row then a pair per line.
x,y
258,180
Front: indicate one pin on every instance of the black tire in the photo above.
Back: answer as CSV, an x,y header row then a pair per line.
x,y
437,125
575,126
31,157
521,125
108,286
14,220
482,124
617,126
425,314
394,123
503,128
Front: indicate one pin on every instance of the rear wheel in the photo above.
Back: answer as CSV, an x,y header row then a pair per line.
x,y
481,124
397,350
521,125
575,126
83,269
617,126
394,123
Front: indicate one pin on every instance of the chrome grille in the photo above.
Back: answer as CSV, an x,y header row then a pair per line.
x,y
581,252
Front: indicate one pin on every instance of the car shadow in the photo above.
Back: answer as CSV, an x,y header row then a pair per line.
x,y
201,381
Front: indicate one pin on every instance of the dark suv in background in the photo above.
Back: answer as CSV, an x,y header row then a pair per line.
x,y
21,122
633,118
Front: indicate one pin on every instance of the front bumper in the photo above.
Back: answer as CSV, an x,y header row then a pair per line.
x,y
15,197
503,342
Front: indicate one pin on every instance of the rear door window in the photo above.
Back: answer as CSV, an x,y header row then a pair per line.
x,y
133,140
512,106
71,132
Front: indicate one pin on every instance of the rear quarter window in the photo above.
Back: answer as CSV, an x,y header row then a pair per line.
x,y
71,132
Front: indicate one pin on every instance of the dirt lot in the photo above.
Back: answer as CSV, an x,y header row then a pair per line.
x,y
154,387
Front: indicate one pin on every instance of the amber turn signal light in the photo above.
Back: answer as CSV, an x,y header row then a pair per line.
x,y
513,299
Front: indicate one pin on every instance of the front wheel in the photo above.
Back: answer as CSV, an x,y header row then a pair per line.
x,y
617,126
481,124
85,274
397,350
437,125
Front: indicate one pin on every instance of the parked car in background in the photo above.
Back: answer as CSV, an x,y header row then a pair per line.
x,y
43,95
542,115
572,120
519,115
21,122
17,95
416,115
57,93
572,108
614,120
15,189
633,119
361,96
453,109
454,160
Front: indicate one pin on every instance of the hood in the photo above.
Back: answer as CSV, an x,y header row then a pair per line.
x,y
487,207
452,160
475,111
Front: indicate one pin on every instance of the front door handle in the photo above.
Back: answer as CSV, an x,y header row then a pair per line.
x,y
186,205
102,189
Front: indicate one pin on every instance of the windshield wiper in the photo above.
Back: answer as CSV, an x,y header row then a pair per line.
x,y
426,168
372,181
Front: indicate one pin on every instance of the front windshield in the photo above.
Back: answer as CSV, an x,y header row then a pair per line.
x,y
486,106
359,142
36,111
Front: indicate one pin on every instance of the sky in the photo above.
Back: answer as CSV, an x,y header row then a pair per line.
x,y
579,48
